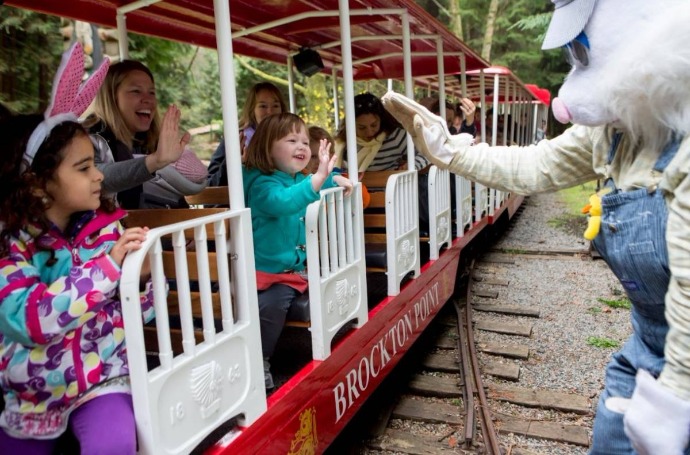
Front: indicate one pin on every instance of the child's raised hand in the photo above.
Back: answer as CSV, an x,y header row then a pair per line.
x,y
345,183
326,165
326,161
170,145
130,240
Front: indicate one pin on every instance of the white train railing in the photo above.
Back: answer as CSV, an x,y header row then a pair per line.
x,y
440,223
402,229
336,266
493,200
463,205
500,198
481,201
181,401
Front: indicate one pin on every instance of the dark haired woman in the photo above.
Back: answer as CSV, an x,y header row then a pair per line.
x,y
381,140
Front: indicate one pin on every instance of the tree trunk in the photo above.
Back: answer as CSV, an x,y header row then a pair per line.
x,y
455,18
489,30
44,77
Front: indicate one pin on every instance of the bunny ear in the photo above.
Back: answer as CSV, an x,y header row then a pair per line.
x,y
68,101
67,81
89,90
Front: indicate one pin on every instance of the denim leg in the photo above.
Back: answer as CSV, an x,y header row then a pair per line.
x,y
609,437
274,304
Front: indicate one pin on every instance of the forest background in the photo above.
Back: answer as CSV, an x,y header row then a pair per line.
x,y
504,32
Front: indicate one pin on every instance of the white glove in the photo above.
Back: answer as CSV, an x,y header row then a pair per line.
x,y
429,131
657,421
437,144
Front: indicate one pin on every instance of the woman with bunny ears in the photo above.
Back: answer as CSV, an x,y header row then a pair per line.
x,y
63,360
139,146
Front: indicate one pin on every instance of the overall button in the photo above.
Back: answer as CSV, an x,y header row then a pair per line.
x,y
613,228
301,247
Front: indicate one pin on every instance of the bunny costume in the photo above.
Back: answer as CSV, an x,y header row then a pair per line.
x,y
630,130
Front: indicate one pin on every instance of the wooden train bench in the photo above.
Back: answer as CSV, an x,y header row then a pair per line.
x,y
153,218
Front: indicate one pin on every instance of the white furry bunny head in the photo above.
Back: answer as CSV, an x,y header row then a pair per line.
x,y
617,35
650,98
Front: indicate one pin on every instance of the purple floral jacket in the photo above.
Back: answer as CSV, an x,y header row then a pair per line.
x,y
61,329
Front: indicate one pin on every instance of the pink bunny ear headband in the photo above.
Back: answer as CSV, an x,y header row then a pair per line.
x,y
70,98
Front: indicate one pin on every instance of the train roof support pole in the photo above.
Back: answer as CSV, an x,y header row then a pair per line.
x,y
535,109
121,19
441,78
407,71
494,116
482,98
348,90
506,107
336,105
291,84
122,40
463,75
228,99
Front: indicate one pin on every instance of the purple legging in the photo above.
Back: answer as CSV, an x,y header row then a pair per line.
x,y
103,426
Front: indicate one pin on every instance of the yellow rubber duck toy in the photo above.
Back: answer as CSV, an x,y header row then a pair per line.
x,y
594,221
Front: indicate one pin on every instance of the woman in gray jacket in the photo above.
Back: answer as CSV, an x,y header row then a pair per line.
x,y
135,146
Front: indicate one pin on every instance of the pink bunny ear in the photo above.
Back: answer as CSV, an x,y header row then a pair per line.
x,y
67,80
68,100
89,90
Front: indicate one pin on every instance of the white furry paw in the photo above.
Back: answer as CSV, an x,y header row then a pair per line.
x,y
657,421
434,142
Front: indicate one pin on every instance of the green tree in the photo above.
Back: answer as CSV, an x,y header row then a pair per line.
x,y
519,29
30,50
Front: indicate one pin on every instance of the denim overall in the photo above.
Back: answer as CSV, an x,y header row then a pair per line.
x,y
632,241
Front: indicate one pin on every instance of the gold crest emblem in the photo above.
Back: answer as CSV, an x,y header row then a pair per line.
x,y
305,440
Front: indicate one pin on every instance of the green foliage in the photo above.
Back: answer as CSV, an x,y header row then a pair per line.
x,y
29,55
619,303
519,30
602,342
514,251
577,197
188,76
594,310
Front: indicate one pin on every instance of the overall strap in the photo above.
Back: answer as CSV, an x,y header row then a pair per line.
x,y
614,145
667,154
612,152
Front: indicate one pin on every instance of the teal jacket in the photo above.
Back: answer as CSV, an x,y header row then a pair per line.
x,y
279,203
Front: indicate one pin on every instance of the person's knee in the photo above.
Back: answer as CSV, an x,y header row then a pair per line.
x,y
114,411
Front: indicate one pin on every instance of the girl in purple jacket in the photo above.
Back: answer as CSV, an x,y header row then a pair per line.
x,y
62,353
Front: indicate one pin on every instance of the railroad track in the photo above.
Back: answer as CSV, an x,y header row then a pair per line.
x,y
455,396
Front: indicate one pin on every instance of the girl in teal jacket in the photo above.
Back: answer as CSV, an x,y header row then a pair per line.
x,y
278,194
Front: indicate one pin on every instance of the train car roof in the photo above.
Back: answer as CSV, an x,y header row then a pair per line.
x,y
506,79
192,21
